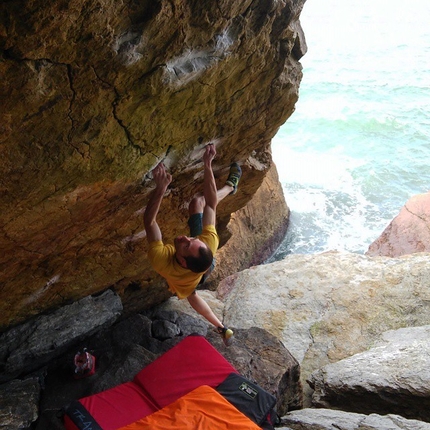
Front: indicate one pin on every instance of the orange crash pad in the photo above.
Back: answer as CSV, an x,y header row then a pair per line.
x,y
201,409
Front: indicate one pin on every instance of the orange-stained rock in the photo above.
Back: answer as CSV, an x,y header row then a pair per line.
x,y
93,95
409,232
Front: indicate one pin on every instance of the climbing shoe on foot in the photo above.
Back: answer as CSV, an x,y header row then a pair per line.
x,y
226,334
234,177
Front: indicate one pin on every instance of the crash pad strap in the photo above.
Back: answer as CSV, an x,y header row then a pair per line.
x,y
81,417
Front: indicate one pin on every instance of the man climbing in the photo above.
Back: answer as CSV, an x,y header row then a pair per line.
x,y
188,262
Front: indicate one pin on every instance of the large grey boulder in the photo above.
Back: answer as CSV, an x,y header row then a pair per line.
x,y
329,306
34,343
326,419
392,377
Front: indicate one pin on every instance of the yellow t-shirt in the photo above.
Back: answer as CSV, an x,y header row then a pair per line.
x,y
180,280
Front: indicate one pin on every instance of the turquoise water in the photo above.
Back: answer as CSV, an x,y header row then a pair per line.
x,y
358,145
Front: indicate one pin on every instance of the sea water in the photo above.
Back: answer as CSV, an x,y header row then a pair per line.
x,y
357,146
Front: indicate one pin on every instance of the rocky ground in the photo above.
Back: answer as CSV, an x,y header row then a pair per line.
x,y
340,339
35,398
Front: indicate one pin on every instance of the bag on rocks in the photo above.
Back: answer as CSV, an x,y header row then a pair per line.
x,y
85,364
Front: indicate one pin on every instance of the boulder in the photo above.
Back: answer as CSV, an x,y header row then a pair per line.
x,y
19,403
329,306
408,232
34,343
391,377
327,419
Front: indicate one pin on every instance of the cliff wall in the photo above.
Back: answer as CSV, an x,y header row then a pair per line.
x,y
94,94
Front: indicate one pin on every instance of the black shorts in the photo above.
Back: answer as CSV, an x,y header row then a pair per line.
x,y
195,223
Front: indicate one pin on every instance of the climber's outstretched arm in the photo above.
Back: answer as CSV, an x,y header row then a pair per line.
x,y
209,187
162,180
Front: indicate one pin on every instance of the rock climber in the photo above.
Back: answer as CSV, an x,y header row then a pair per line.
x,y
189,261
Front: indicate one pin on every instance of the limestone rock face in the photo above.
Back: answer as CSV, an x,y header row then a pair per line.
x,y
391,377
328,419
94,95
409,231
329,306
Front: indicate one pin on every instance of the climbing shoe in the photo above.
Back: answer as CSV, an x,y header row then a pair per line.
x,y
226,334
234,177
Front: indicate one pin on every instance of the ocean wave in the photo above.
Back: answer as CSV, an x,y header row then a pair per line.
x,y
410,124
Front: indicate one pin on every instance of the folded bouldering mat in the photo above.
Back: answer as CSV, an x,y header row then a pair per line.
x,y
188,365
201,409
109,409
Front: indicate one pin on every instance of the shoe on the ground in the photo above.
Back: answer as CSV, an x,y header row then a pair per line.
x,y
226,334
234,177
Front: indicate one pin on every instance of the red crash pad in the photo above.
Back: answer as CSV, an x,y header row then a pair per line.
x,y
189,364
110,409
